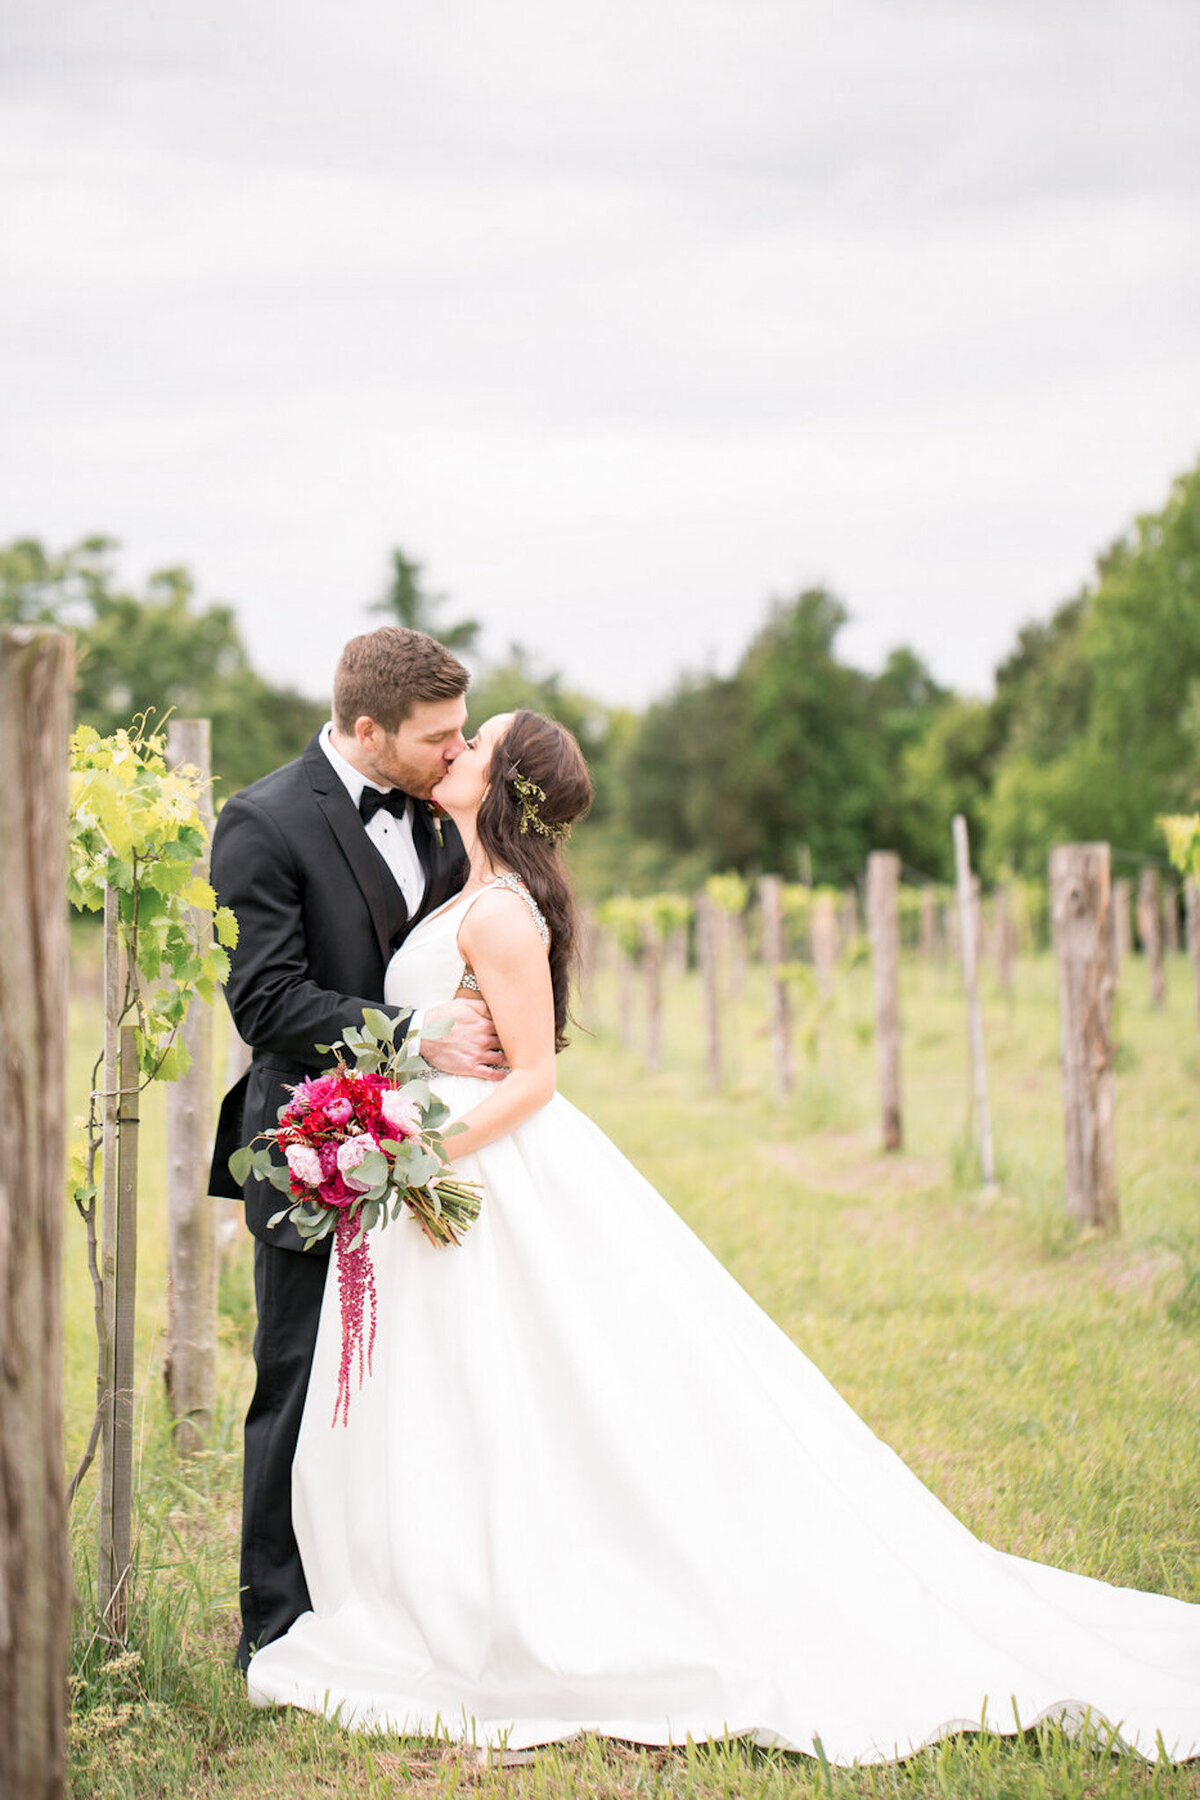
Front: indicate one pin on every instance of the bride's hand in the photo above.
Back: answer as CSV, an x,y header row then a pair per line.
x,y
470,1047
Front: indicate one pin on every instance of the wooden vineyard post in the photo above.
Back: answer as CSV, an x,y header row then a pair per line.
x,y
652,979
190,1366
770,899
929,929
1079,900
587,960
824,940
624,994
968,916
1122,938
120,1288
733,926
883,927
1005,930
1192,896
706,947
1149,918
849,922
35,1576
110,1112
1170,917
952,919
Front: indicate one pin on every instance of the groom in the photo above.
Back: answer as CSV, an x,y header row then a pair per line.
x,y
328,864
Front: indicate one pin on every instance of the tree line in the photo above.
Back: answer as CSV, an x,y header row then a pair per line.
x,y
796,762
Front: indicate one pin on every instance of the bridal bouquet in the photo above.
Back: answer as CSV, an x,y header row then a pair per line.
x,y
360,1145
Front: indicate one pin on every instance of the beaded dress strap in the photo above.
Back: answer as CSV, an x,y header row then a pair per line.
x,y
515,885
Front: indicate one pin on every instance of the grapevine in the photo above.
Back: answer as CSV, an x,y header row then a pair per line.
x,y
135,828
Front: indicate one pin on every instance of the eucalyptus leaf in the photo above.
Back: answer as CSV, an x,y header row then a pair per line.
x,y
371,1170
240,1164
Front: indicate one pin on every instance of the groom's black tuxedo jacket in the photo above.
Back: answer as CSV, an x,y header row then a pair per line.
x,y
319,915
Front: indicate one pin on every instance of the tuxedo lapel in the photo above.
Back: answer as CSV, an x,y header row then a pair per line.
x,y
443,863
343,820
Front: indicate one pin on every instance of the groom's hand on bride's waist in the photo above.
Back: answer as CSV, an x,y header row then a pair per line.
x,y
470,1047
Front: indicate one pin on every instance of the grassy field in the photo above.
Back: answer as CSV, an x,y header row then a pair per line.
x,y
1046,1386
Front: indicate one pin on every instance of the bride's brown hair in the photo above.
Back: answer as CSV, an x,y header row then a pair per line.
x,y
538,786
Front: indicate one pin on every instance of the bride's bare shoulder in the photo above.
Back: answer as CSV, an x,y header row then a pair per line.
x,y
504,920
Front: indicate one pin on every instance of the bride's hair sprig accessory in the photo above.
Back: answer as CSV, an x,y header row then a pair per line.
x,y
530,796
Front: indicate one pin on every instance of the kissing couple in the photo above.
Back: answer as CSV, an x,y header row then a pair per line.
x,y
589,1485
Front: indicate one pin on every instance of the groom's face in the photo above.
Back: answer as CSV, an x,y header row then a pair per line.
x,y
419,753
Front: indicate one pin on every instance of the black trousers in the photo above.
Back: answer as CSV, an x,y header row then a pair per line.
x,y
288,1285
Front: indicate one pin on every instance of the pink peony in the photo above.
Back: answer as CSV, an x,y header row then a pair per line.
x,y
318,1090
339,1111
401,1113
351,1154
335,1192
305,1164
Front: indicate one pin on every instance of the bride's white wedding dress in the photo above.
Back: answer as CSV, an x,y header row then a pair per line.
x,y
591,1487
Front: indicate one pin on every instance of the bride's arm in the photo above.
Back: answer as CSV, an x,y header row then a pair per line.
x,y
502,944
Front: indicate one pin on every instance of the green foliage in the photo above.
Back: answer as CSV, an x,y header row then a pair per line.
x,y
1182,832
408,602
603,732
136,828
794,763
41,587
155,651
136,832
631,920
622,915
947,769
682,791
1101,707
728,893
1043,687
797,761
668,913
807,757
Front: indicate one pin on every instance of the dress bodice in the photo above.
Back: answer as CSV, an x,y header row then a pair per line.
x,y
429,966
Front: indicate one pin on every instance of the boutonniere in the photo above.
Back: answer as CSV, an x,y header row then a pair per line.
x,y
436,815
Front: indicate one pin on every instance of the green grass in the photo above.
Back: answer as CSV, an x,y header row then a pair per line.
x,y
1045,1385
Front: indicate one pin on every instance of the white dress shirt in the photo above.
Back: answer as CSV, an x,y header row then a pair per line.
x,y
391,836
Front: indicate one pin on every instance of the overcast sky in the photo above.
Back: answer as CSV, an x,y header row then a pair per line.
x,y
623,318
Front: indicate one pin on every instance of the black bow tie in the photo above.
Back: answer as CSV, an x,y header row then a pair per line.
x,y
370,801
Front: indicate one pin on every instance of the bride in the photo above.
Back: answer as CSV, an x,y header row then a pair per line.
x,y
590,1487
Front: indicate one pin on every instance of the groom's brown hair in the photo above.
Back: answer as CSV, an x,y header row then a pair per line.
x,y
383,674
